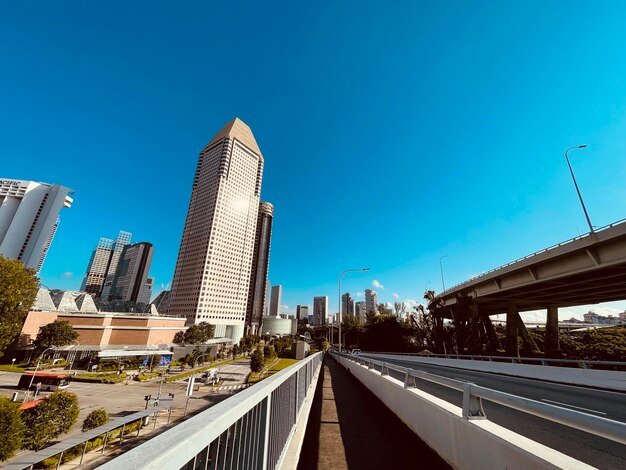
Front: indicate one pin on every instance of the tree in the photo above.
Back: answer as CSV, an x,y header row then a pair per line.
x,y
12,428
382,309
399,308
95,419
179,337
57,333
53,416
18,288
269,352
257,361
199,333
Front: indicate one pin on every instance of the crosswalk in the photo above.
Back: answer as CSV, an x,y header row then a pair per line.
x,y
232,387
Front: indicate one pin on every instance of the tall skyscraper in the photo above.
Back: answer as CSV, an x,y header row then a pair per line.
x,y
212,275
320,310
347,304
277,294
260,266
121,241
371,301
130,282
29,217
302,313
102,265
360,311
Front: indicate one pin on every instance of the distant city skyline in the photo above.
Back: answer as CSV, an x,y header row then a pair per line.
x,y
461,112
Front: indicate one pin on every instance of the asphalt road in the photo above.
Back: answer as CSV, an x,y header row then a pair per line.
x,y
593,450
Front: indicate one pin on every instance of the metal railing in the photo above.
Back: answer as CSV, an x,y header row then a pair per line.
x,y
478,276
474,394
585,364
249,430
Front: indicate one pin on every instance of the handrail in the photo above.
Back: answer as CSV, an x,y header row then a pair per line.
x,y
580,237
473,394
513,359
243,422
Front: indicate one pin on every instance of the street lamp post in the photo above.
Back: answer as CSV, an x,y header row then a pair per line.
x,y
443,284
582,203
340,276
34,373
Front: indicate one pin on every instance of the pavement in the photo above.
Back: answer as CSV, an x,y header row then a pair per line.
x,y
588,448
127,397
349,428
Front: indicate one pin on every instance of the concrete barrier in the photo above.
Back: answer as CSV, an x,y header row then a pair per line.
x,y
464,444
605,379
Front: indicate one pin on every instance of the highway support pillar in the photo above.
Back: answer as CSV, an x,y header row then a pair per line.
x,y
494,343
528,343
512,346
552,332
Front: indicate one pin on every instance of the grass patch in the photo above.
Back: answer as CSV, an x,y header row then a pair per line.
x,y
102,378
147,376
276,366
201,369
10,368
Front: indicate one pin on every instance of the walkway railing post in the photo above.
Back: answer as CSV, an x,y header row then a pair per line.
x,y
472,405
265,434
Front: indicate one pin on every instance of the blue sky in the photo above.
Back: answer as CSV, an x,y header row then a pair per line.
x,y
393,132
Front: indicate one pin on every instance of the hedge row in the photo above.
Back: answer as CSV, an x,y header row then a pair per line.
x,y
105,378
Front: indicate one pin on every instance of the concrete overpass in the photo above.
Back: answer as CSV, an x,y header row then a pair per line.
x,y
584,270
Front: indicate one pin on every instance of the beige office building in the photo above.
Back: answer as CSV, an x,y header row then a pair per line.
x,y
212,275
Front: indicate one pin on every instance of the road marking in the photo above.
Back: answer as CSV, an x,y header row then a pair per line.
x,y
573,406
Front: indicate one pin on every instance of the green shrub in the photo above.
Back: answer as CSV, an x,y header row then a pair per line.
x,y
147,376
95,419
53,416
102,378
12,428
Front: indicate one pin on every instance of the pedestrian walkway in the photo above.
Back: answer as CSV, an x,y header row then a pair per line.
x,y
349,428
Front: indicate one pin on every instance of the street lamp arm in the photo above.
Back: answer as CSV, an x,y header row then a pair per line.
x,y
580,197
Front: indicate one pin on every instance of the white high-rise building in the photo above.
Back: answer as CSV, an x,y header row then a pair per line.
x,y
371,301
212,275
29,217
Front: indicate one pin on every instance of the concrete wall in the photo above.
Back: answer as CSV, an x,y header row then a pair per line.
x,y
464,444
609,379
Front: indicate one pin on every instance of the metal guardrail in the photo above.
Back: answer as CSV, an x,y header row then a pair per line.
x,y
585,364
249,430
474,394
473,278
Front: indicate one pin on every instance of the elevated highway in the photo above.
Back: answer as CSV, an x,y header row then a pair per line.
x,y
584,270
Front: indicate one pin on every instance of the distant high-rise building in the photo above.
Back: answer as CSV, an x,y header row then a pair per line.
x,y
212,275
102,265
360,311
162,301
371,301
320,310
302,312
29,217
131,281
347,304
277,294
121,241
260,266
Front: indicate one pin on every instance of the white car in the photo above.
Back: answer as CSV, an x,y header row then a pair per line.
x,y
356,352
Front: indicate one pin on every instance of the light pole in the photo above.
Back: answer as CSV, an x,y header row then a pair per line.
x,y
34,373
576,184
340,276
443,284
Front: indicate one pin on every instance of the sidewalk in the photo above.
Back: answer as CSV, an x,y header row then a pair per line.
x,y
349,428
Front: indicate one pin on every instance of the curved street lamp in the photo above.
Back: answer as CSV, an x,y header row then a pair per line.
x,y
582,203
34,373
340,276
